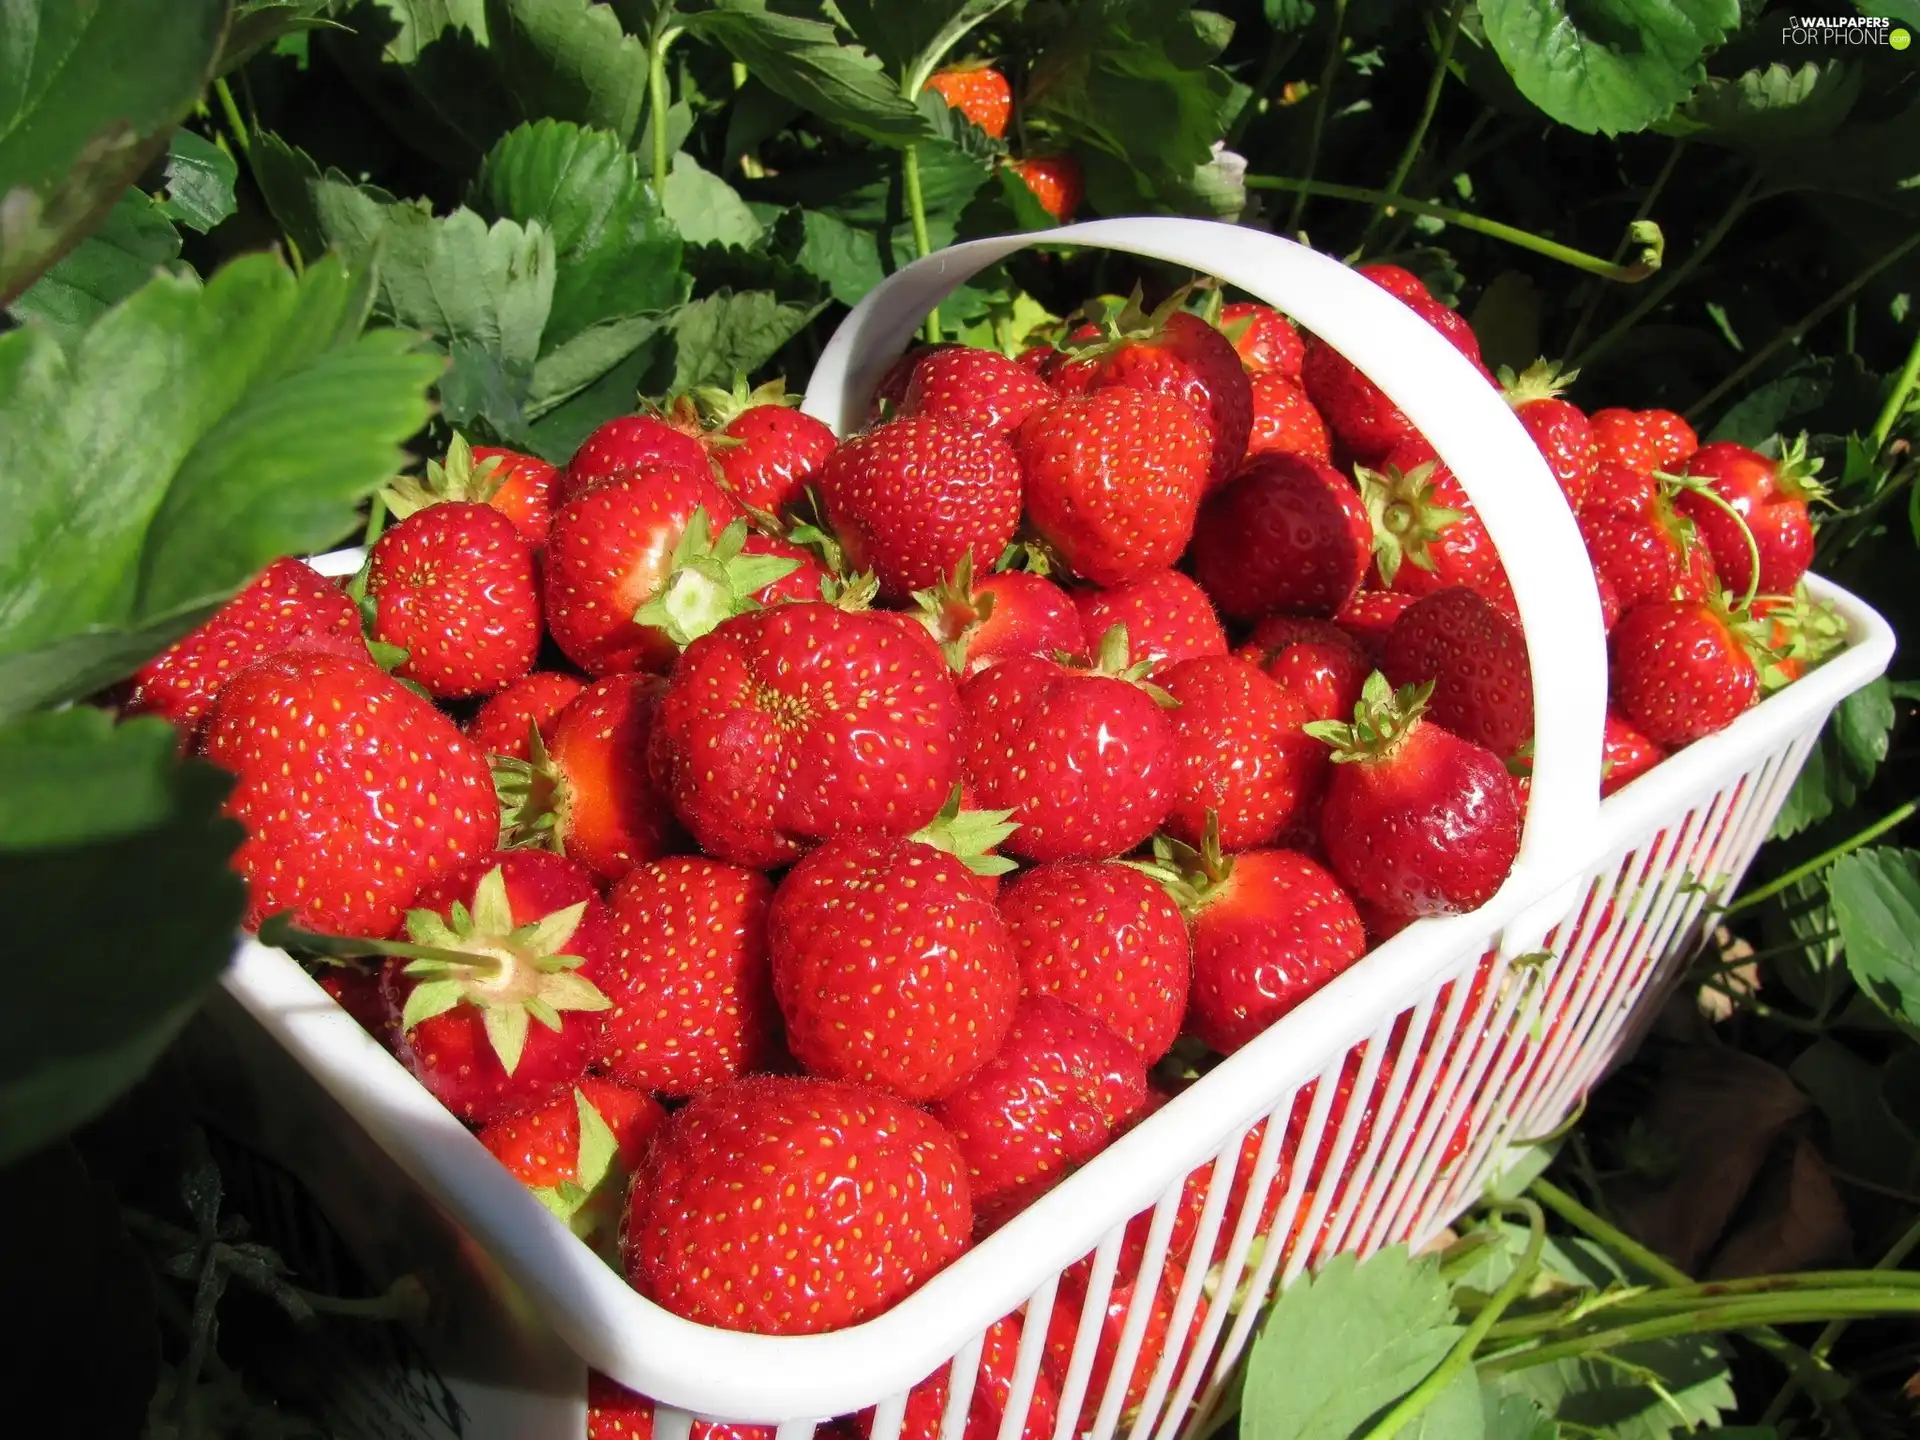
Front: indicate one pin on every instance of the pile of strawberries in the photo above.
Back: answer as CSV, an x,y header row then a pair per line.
x,y
794,856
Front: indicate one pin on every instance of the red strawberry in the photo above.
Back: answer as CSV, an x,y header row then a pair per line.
x,y
286,604
1284,421
1286,533
1043,1105
1609,599
1426,534
454,586
1114,479
505,724
1625,753
518,486
890,967
981,622
630,445
1648,556
979,92
1264,339
1243,756
1416,820
540,943
691,987
767,451
1356,410
354,790
790,725
1559,427
1084,759
1671,437
577,1151
980,391
1397,280
1111,1326
1168,619
1476,659
787,1205
1105,938
986,1412
1170,352
1616,488
1762,507
892,387
909,498
1620,437
1370,614
1682,669
1056,181
1321,665
616,1413
588,793
356,990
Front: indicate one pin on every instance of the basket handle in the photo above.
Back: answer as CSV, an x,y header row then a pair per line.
x,y
1465,419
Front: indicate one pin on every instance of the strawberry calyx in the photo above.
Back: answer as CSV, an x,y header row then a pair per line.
x,y
456,478
1802,630
1683,531
718,408
1112,659
1118,323
1542,380
1794,471
1405,517
1034,556
594,1164
810,531
1383,718
710,580
1753,632
533,795
1192,876
970,836
953,612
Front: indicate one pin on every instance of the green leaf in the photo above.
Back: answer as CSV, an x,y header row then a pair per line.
x,y
1868,1135
1876,902
598,1149
1343,1344
563,373
569,60
133,242
1636,1392
559,431
1514,1417
729,333
190,437
1286,16
1761,110
1609,67
705,209
257,24
482,386
1765,410
1457,1413
89,92
424,65
844,257
904,32
1842,762
200,178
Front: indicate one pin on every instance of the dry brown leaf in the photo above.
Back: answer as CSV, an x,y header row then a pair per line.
x,y
1796,1220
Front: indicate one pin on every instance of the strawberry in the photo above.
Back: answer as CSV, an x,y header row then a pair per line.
x,y
909,498
1285,422
1621,438
1321,665
1742,503
516,937
1416,820
980,391
505,724
577,1151
1111,1326
1369,615
1169,352
1105,938
1264,339
1648,556
691,987
1056,181
1426,534
1046,1102
890,967
1682,669
1286,533
1397,280
1609,598
588,794
285,604
354,790
518,486
1113,479
1083,759
790,725
356,990
767,451
1671,437
979,623
616,1413
788,1205
1475,657
1801,632
1558,427
1625,753
1168,619
630,445
1615,487
1243,758
1356,410
891,390
454,586
992,1389
979,92
971,835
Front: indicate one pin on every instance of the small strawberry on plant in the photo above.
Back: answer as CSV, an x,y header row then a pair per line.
x,y
1287,533
977,91
1168,618
1057,182
505,725
518,486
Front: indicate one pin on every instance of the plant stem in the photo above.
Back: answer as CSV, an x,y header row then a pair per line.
x,y
1280,49
224,94
917,213
1612,1237
659,102
1897,401
1397,181
1328,69
1647,202
1825,858
1874,1187
1526,239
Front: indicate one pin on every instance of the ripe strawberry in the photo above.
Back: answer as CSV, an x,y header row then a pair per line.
x,y
1286,533
1625,753
285,604
1671,437
1169,352
1648,556
1084,759
909,498
1621,438
1111,1326
1416,820
767,451
979,623
1426,534
630,445
518,486
1369,615
979,92
1244,761
588,793
1285,422
1615,487
890,967
711,578
891,390
1476,660
356,990
505,724
540,943
616,1413
1321,665
354,790
1356,410
787,726
1763,507
787,1205
454,586
1056,181
577,1151
1168,619
1114,479
691,987
1046,1102
1559,427
1105,938
1397,280
1682,669
992,1388
1264,339
980,391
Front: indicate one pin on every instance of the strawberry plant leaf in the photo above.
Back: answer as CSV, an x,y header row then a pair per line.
x,y
559,431
1761,110
1764,411
1514,1417
135,240
425,67
571,368
200,178
913,36
846,258
705,209
570,60
1876,903
1609,68
1842,762
1868,1133
1636,1392
1457,1413
256,24
730,333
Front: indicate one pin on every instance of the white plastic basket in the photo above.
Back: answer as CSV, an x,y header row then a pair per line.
x,y
1614,891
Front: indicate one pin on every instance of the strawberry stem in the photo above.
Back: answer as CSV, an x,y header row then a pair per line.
x,y
659,101
1329,71
1645,209
1897,397
917,213
1705,491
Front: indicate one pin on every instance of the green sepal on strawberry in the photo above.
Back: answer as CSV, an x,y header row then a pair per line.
x,y
767,451
1408,518
979,622
711,578
1801,632
518,486
576,1156
1560,429
970,836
